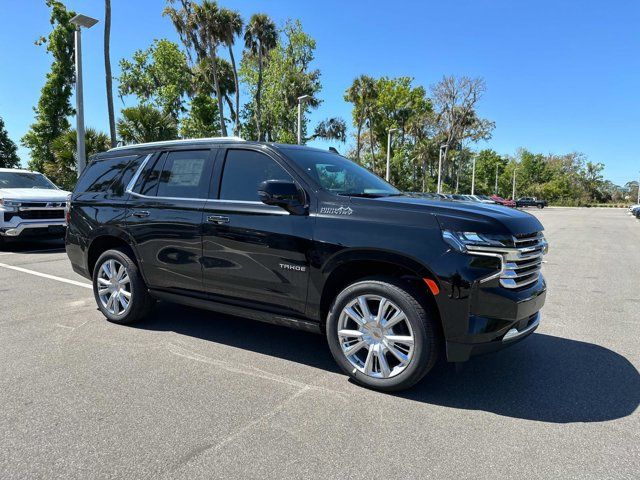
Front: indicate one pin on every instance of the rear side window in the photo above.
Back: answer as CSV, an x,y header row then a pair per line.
x,y
100,174
244,171
186,174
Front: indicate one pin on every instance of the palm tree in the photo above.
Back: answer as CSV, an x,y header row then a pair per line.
x,y
199,30
62,170
260,36
145,123
107,71
231,25
207,22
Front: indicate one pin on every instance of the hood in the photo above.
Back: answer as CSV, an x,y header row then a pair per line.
x,y
34,194
464,216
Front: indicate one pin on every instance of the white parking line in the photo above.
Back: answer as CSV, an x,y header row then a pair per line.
x,y
46,250
46,275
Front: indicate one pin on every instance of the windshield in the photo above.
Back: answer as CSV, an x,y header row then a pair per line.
x,y
339,175
24,180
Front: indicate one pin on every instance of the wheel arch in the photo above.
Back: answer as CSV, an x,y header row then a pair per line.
x,y
107,239
353,265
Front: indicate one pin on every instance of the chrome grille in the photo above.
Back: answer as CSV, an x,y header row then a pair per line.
x,y
522,264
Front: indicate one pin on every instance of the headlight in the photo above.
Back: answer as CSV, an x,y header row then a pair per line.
x,y
9,204
461,240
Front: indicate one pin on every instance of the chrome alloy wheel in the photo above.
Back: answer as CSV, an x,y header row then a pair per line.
x,y
114,287
376,336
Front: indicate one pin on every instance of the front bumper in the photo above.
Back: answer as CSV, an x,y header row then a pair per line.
x,y
517,331
49,228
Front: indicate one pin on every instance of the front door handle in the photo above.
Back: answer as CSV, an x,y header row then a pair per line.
x,y
140,213
217,219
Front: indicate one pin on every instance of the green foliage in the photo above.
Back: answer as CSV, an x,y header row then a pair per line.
x,y
202,120
62,170
158,76
145,123
53,106
331,129
8,149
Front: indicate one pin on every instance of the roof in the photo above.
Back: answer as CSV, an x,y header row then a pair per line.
x,y
15,170
189,141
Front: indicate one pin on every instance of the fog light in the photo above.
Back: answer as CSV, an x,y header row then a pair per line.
x,y
12,232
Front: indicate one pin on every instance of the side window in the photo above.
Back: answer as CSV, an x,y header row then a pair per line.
x,y
185,174
100,174
244,171
147,183
120,184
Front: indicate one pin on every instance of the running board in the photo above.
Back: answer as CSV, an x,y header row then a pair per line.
x,y
237,311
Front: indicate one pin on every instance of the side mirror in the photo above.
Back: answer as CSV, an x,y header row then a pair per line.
x,y
283,194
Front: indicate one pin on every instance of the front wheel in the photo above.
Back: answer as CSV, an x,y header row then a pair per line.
x,y
119,289
540,205
381,335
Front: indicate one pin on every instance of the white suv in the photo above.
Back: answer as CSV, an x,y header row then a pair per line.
x,y
30,205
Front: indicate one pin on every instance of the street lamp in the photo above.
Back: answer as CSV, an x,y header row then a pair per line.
x,y
638,190
87,22
388,175
300,100
442,147
473,176
513,192
496,179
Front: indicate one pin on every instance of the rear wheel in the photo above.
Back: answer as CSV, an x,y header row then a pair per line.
x,y
540,205
119,289
381,335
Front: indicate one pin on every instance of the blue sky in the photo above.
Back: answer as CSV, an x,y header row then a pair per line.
x,y
561,75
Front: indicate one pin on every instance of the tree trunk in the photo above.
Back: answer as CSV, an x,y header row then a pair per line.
x,y
236,128
107,72
216,83
372,145
258,93
358,141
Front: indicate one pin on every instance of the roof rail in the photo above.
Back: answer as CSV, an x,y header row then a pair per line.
x,y
168,143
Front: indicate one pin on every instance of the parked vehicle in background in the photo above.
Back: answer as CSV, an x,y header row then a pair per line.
x,y
482,199
30,206
530,202
306,238
503,201
632,208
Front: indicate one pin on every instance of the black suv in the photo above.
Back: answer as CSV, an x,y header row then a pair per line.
x,y
530,202
306,238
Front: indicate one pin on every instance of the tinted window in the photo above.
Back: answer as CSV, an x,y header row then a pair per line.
x,y
185,174
119,186
338,174
147,183
244,171
100,174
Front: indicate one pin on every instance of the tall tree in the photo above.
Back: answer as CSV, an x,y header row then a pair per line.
x,y
54,105
8,149
199,29
107,71
158,76
231,27
260,37
145,123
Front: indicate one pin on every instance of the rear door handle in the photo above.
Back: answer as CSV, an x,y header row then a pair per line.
x,y
217,219
140,213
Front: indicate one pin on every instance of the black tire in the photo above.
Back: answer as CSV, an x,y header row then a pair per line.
x,y
540,205
140,303
422,322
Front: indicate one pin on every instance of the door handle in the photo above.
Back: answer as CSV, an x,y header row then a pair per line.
x,y
217,219
140,213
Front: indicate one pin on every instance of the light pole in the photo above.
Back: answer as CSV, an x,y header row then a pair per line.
x,y
638,190
388,175
473,176
87,22
496,179
513,192
300,100
440,168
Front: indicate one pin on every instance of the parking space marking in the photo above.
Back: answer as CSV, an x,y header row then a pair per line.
x,y
46,250
46,275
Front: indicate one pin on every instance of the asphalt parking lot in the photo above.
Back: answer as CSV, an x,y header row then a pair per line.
x,y
191,394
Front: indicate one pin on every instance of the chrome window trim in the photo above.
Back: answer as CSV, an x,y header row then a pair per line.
x,y
134,179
